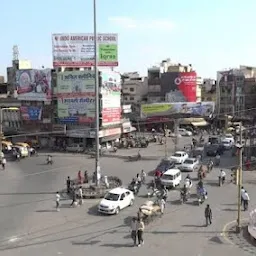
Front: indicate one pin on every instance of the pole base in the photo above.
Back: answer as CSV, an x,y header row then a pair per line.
x,y
238,229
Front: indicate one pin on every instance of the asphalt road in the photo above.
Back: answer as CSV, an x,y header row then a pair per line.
x,y
29,224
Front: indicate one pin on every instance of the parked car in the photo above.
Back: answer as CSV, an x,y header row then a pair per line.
x,y
189,165
228,137
116,200
227,144
164,165
171,178
184,132
179,157
78,148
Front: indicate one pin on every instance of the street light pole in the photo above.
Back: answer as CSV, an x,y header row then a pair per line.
x,y
97,114
240,181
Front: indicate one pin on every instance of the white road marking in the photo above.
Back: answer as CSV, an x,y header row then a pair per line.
x,y
50,170
13,239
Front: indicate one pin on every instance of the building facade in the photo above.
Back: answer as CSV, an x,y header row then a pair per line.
x,y
208,90
134,90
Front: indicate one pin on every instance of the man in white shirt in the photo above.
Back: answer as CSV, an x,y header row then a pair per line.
x,y
242,192
57,201
80,194
246,200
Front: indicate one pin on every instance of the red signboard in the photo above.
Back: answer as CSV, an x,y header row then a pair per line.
x,y
179,86
111,115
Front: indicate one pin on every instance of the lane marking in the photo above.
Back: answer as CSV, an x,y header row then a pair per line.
x,y
50,170
224,231
13,239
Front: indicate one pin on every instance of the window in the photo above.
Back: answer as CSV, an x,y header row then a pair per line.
x,y
122,197
131,89
131,98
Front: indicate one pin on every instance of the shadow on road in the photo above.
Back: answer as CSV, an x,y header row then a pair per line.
x,y
212,183
42,211
216,240
193,226
229,210
175,202
87,243
94,211
117,245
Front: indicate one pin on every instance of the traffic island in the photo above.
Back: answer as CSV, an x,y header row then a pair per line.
x,y
242,239
91,191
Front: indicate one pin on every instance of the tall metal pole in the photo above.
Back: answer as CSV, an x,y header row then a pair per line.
x,y
1,134
240,181
97,124
165,142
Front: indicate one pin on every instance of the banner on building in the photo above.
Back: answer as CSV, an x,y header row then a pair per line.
x,y
34,84
163,109
77,50
111,97
31,113
76,96
179,86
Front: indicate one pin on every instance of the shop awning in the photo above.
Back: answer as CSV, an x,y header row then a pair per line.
x,y
200,123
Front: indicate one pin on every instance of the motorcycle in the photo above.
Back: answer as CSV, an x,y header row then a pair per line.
x,y
155,192
221,181
49,162
183,197
135,188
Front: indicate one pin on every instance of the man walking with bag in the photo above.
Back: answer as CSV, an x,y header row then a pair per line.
x,y
208,215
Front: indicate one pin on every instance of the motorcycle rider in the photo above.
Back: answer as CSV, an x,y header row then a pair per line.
x,y
164,193
188,181
222,176
210,165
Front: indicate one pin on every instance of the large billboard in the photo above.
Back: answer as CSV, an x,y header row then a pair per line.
x,y
31,113
164,109
179,86
76,96
34,84
77,50
111,97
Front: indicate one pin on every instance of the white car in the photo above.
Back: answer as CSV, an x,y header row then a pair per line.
x,y
184,132
227,144
78,148
179,157
116,200
189,165
228,137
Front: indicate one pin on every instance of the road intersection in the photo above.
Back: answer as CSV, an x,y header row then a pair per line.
x,y
30,225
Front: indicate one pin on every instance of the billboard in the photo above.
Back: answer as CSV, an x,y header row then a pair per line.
x,y
163,109
76,96
111,97
31,113
77,50
179,86
34,84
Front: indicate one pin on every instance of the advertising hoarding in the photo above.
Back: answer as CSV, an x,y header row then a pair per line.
x,y
162,109
76,96
31,113
111,97
77,50
34,84
179,86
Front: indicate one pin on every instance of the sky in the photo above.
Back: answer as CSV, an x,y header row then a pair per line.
x,y
210,35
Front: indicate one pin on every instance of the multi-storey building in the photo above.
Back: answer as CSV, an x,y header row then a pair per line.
x,y
134,90
208,90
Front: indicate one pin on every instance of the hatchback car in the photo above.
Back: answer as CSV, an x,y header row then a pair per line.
x,y
179,157
116,200
189,165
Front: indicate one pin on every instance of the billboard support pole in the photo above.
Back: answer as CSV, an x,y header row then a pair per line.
x,y
176,132
97,114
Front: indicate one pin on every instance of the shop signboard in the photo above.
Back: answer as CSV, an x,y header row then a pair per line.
x,y
76,96
77,50
34,84
164,109
111,97
31,113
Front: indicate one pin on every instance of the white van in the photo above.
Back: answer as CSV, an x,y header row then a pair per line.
x,y
171,178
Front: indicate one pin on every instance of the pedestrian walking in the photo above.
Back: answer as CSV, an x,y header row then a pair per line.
x,y
80,194
246,200
242,193
208,215
57,201
74,199
79,176
86,179
68,183
141,227
134,226
162,206
3,163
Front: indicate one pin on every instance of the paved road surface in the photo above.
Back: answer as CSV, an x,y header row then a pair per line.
x,y
30,226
